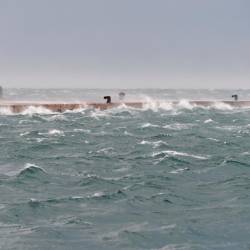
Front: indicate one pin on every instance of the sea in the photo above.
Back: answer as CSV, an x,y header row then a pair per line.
x,y
163,177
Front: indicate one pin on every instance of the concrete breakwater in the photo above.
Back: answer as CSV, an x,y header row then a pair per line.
x,y
18,107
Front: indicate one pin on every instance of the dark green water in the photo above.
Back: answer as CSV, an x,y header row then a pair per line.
x,y
158,178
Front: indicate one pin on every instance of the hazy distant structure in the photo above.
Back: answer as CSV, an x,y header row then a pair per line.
x,y
1,92
121,96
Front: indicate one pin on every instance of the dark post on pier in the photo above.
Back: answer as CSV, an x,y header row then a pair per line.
x,y
235,97
107,98
1,92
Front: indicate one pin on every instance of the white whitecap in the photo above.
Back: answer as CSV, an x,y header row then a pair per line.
x,y
36,110
23,134
40,139
208,121
213,139
29,165
128,133
155,144
26,166
5,111
56,132
149,125
185,104
87,131
230,128
222,106
179,170
97,114
155,105
96,195
178,126
174,153
166,105
245,153
105,150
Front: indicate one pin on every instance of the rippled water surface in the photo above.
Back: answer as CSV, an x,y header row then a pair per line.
x,y
153,178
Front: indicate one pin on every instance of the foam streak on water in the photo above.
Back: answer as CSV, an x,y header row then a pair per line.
x,y
161,177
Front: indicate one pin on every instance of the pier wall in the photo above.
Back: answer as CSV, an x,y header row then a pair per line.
x,y
18,107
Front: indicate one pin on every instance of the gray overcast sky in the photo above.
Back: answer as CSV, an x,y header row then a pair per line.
x,y
125,43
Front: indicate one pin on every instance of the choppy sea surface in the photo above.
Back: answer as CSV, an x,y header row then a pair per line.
x,y
160,177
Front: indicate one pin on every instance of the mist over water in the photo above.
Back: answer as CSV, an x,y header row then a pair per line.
x,y
96,95
160,177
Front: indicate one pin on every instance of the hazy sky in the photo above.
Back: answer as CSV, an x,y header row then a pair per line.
x,y
125,43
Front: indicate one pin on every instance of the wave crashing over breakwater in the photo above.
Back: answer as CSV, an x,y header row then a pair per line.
x,y
149,104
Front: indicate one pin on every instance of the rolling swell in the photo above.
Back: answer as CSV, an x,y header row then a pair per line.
x,y
157,178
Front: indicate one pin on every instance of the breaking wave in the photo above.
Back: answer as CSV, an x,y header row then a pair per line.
x,y
31,169
5,111
154,144
147,104
36,110
175,153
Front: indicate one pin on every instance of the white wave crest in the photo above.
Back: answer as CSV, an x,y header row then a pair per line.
x,y
29,165
97,114
155,105
208,121
185,104
174,153
26,166
105,150
178,126
5,111
56,132
96,195
24,133
87,131
36,110
40,139
159,104
155,144
213,139
53,132
179,170
149,125
221,106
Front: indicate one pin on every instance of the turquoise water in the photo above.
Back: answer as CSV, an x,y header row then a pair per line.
x,y
157,178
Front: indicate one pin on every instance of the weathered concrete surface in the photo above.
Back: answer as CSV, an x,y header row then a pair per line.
x,y
18,107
